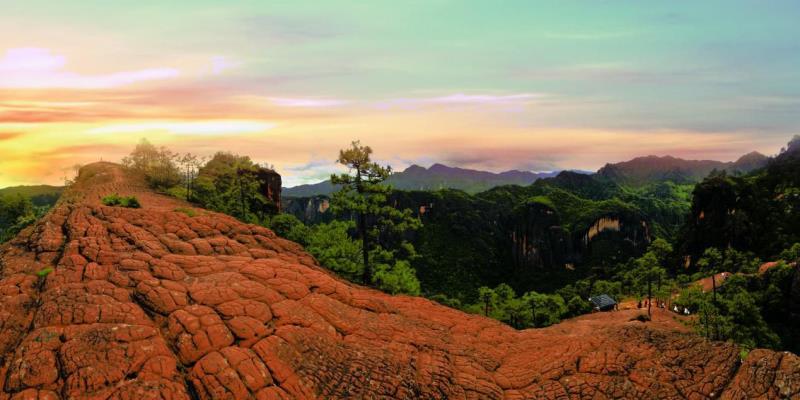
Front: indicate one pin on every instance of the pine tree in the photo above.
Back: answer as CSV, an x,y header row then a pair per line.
x,y
380,226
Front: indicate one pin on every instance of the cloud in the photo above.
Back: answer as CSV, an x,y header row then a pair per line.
x,y
306,102
465,99
35,68
452,99
69,152
461,98
606,73
9,135
314,171
188,128
220,64
31,60
181,101
524,158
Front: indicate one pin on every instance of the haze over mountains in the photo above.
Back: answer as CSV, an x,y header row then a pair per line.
x,y
642,170
635,172
638,171
437,176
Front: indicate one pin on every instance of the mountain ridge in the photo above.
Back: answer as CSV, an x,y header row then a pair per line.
x,y
647,169
636,171
437,176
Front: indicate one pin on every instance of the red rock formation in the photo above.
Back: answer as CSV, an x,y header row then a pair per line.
x,y
152,303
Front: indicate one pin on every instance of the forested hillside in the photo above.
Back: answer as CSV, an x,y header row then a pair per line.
x,y
540,236
21,206
572,236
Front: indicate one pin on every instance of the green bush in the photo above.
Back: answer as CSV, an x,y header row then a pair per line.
x,y
44,272
178,192
396,279
122,201
289,227
446,301
333,247
16,213
186,210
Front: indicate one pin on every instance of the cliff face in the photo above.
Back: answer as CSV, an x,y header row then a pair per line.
x,y
545,250
310,210
102,302
533,238
270,186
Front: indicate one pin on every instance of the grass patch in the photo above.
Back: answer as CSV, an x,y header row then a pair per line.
x,y
186,210
115,199
743,353
44,272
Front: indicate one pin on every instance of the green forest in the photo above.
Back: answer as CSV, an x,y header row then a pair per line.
x,y
22,205
467,251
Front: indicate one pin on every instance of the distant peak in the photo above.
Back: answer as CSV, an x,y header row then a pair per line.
x,y
654,157
439,167
414,168
753,155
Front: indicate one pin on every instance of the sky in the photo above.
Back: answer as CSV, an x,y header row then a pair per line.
x,y
528,85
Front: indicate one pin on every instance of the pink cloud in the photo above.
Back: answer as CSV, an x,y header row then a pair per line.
x,y
461,99
34,68
9,135
307,102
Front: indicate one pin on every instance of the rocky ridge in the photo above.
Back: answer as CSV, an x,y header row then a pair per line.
x,y
173,302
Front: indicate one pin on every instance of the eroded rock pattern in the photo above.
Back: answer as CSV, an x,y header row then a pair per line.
x,y
153,303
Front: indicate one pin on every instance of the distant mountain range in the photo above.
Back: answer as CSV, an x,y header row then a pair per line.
x,y
636,172
438,176
644,170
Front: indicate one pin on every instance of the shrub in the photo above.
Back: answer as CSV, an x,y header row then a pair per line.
x,y
289,227
130,202
446,301
156,163
333,247
186,210
179,192
397,278
17,212
743,353
122,201
44,272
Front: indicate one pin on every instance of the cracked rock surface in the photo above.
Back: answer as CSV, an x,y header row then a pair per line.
x,y
101,302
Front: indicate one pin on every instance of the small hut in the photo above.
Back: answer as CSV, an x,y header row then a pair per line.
x,y
603,302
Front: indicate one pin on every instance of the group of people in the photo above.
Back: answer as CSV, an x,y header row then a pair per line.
x,y
656,303
663,304
678,310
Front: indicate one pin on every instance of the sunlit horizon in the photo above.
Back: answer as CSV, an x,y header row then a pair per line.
x,y
536,86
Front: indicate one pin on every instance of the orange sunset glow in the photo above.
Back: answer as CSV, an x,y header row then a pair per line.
x,y
291,88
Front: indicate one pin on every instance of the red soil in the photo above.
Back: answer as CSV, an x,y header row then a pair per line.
x,y
153,303
707,284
